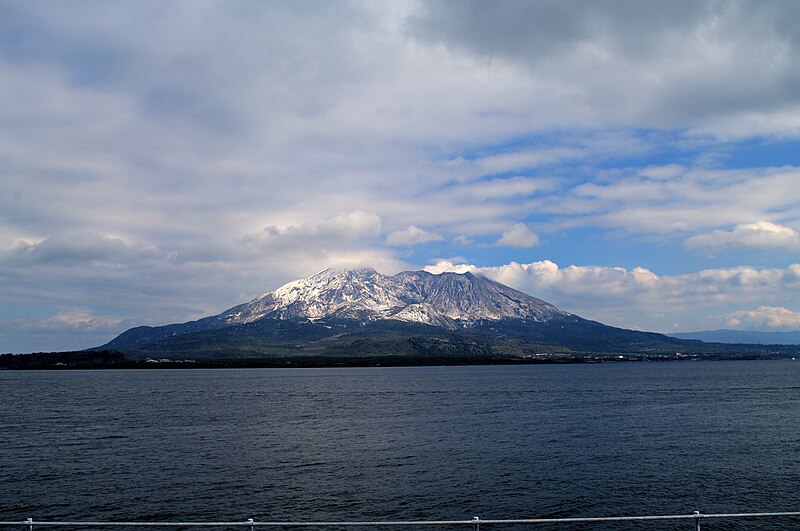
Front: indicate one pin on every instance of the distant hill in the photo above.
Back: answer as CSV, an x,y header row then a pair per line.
x,y
743,336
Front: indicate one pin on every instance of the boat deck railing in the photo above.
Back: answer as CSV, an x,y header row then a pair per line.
x,y
475,523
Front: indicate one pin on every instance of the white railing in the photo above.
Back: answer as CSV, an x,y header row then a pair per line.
x,y
475,522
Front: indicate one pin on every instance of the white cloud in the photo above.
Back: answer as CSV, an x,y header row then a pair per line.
x,y
502,189
519,235
445,266
411,235
640,298
758,235
341,229
81,319
766,317
697,200
133,284
665,172
513,161
69,329
784,122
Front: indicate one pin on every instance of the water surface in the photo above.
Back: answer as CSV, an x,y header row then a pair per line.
x,y
403,443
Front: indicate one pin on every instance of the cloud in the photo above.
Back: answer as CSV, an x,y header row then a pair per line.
x,y
131,283
758,235
445,266
341,229
78,249
511,188
661,63
696,200
513,161
80,319
519,235
177,142
766,317
640,298
668,171
69,329
411,235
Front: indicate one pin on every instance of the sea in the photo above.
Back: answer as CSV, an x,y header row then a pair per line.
x,y
412,443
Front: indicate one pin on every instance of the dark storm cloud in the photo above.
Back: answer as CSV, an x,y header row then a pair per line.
x,y
696,58
531,31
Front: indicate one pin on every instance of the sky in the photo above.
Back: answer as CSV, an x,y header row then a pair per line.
x,y
636,163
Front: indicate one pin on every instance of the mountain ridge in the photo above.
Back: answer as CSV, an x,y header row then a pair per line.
x,y
359,314
448,299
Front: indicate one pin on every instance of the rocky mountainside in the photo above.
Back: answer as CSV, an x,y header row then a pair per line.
x,y
414,315
448,300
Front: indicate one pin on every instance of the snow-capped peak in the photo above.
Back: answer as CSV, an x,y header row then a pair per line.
x,y
447,299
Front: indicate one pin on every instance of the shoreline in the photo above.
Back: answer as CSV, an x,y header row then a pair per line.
x,y
104,360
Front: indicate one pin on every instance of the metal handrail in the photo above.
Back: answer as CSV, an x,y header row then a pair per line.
x,y
476,522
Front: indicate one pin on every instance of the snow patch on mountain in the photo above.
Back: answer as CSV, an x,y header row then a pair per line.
x,y
447,300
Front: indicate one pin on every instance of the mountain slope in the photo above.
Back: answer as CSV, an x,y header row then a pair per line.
x,y
361,313
447,300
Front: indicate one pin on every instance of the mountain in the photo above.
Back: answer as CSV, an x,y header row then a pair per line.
x,y
448,300
356,315
743,336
